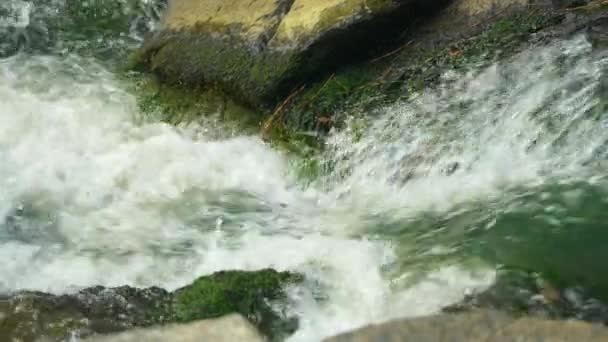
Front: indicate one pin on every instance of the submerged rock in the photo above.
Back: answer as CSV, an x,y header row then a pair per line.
x,y
260,51
520,292
598,32
487,326
26,316
225,329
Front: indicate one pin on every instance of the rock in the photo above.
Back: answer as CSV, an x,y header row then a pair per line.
x,y
248,293
598,32
99,310
570,3
519,292
29,315
486,326
226,329
481,7
260,51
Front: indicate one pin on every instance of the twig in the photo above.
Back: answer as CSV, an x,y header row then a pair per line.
x,y
277,113
392,52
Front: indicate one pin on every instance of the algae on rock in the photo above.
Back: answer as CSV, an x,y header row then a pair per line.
x,y
243,292
260,52
27,316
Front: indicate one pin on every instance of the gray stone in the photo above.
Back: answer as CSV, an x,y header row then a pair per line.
x,y
598,32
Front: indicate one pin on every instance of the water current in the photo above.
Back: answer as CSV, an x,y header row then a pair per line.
x,y
501,164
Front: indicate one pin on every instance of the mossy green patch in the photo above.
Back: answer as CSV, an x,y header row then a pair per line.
x,y
247,293
175,105
503,38
258,295
221,62
357,89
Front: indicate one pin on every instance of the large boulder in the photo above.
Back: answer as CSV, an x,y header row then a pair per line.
x,y
257,295
258,51
486,326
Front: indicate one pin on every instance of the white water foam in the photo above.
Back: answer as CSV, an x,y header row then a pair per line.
x,y
18,13
92,198
514,123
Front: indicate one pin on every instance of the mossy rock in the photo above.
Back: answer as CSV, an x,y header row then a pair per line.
x,y
480,325
522,292
249,294
32,315
260,53
359,89
258,295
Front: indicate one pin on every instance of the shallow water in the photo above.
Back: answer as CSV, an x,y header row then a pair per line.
x,y
504,164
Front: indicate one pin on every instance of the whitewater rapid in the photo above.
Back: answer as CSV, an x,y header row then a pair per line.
x,y
91,195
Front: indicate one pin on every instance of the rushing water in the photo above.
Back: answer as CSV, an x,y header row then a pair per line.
x,y
504,164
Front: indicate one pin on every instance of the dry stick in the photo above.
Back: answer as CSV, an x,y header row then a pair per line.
x,y
276,114
392,52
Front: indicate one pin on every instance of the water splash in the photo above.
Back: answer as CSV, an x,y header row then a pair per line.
x,y
518,122
106,29
91,196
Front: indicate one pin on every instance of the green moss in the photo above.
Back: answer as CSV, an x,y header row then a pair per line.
x,y
247,293
307,170
175,105
237,69
348,87
359,88
296,143
501,39
260,79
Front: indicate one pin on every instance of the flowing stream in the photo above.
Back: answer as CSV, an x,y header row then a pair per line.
x,y
503,164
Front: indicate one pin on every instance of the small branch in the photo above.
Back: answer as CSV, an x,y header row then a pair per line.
x,y
392,52
276,115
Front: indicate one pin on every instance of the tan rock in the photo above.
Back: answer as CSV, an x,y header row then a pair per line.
x,y
477,7
252,18
226,329
486,326
258,51
308,18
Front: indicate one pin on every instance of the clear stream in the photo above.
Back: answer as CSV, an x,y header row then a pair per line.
x,y
503,164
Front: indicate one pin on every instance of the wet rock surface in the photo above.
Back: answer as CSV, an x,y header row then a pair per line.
x,y
27,316
487,326
598,32
260,52
523,293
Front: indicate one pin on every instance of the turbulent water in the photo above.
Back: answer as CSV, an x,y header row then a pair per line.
x,y
504,164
